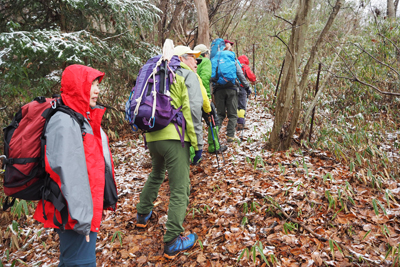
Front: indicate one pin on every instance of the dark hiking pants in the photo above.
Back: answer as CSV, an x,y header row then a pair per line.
x,y
226,103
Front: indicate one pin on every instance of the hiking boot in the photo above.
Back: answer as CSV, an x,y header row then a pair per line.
x,y
180,243
142,220
230,139
222,149
239,127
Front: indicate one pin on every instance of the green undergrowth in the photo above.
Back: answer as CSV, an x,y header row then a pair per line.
x,y
362,132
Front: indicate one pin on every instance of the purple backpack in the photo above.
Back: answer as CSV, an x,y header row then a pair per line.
x,y
149,106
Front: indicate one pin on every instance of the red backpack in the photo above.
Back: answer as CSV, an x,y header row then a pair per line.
x,y
24,142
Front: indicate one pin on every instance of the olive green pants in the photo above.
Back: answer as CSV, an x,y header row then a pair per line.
x,y
171,156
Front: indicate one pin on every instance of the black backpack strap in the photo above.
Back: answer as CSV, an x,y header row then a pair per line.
x,y
53,194
75,115
12,161
8,204
51,191
64,219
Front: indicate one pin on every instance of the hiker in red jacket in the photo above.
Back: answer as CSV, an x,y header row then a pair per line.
x,y
243,94
81,164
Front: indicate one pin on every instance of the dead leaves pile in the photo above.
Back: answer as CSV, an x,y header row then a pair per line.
x,y
268,209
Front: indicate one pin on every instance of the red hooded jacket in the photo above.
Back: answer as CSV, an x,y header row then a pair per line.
x,y
80,163
246,69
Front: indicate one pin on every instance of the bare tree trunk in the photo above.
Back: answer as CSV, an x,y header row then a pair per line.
x,y
285,125
163,21
307,68
391,12
278,139
396,5
203,22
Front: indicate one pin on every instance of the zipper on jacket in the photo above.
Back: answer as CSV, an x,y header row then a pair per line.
x,y
87,115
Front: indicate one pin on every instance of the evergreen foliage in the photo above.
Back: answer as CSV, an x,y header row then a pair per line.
x,y
38,39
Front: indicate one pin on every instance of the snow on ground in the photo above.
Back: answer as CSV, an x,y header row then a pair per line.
x,y
231,209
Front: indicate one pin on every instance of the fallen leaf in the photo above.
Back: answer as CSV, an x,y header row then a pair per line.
x,y
316,257
142,259
201,258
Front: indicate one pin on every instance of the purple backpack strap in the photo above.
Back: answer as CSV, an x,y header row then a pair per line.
x,y
144,140
181,136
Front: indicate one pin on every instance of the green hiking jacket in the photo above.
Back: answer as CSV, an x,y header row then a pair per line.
x,y
185,92
204,70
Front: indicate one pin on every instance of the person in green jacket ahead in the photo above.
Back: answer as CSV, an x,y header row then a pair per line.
x,y
204,70
168,154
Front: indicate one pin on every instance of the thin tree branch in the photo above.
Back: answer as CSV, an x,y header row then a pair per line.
x,y
279,17
288,29
115,36
241,17
398,49
318,43
110,107
356,79
344,61
277,36
380,62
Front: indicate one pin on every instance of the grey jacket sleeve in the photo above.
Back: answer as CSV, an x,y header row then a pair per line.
x,y
241,77
66,157
196,102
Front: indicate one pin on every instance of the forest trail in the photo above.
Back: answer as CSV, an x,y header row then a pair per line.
x,y
294,208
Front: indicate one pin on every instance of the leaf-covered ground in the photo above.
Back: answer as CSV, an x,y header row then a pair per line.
x,y
294,208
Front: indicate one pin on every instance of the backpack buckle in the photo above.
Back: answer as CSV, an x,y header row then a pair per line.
x,y
53,104
150,124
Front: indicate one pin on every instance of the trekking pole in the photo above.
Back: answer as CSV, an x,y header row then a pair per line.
x,y
223,159
168,52
215,146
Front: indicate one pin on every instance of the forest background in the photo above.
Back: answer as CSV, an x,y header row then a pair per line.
x,y
349,50
358,54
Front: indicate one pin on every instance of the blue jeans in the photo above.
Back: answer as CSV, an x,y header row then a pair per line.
x,y
75,251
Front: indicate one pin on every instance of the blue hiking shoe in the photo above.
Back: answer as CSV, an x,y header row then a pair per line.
x,y
180,243
142,219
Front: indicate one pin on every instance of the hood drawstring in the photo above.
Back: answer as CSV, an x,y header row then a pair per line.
x,y
87,115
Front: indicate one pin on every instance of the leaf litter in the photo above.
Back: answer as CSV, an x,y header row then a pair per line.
x,y
293,208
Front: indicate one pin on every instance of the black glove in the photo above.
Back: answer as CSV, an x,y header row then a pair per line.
x,y
214,114
197,157
248,91
211,116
